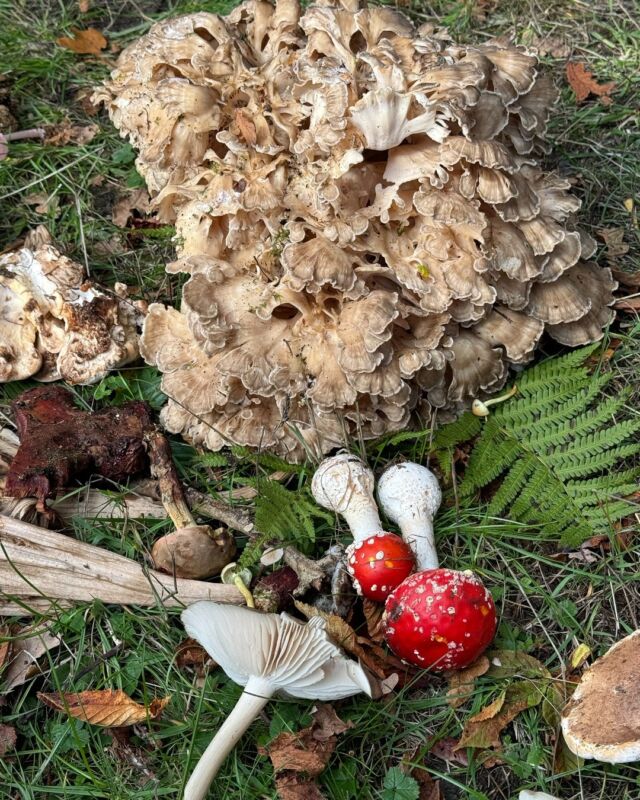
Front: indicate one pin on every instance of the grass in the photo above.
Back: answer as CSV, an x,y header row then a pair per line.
x,y
547,606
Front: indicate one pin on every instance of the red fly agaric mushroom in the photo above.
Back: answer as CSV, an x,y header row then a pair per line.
x,y
265,653
440,619
410,496
379,564
344,484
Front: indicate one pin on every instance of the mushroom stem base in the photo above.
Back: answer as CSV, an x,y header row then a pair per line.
x,y
256,695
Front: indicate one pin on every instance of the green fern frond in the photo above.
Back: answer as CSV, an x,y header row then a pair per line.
x,y
555,447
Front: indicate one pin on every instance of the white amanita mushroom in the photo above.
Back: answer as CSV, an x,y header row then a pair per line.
x,y
344,484
265,653
410,496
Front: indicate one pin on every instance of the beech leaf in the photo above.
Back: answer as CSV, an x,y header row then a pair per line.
x,y
85,42
462,682
110,708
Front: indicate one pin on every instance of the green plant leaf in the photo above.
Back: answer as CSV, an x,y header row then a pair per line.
x,y
398,786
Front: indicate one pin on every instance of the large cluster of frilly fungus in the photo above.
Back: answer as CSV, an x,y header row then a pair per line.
x,y
359,208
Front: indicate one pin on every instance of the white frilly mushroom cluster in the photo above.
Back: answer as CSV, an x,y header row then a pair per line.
x,y
359,208
54,323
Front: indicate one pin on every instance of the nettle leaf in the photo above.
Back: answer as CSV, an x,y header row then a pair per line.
x,y
553,450
398,786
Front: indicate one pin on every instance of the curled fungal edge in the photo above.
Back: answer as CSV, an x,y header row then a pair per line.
x,y
267,654
360,211
55,324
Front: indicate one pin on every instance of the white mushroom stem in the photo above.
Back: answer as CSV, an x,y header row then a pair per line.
x,y
345,484
265,653
410,496
253,699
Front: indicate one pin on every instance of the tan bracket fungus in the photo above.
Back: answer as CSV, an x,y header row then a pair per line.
x,y
56,324
360,209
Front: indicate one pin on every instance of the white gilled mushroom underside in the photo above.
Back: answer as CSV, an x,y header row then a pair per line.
x,y
267,654
56,324
360,210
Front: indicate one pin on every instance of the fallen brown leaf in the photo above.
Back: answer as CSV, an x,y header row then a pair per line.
x,y
380,662
614,241
110,708
28,645
84,6
462,682
135,200
448,750
629,279
191,654
483,729
66,133
628,304
292,786
85,42
373,613
42,201
583,83
8,739
301,756
5,646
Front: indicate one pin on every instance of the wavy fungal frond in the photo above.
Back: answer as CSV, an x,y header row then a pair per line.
x,y
359,208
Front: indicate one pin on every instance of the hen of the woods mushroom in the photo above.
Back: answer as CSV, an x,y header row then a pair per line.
x,y
359,207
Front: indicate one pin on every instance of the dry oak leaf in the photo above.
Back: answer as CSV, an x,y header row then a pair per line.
x,y
111,708
85,42
461,682
373,613
8,739
136,200
583,83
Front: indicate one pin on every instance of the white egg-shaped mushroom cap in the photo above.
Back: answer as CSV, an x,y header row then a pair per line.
x,y
293,657
602,719
409,488
341,481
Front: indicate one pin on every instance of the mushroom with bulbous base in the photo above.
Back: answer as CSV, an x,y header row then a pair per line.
x,y
410,496
267,654
192,550
344,484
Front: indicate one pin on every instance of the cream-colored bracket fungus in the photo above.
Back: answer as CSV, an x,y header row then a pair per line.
x,y
602,719
410,496
360,210
267,654
56,324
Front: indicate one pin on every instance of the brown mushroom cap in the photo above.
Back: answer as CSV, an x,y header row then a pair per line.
x,y
360,211
193,552
602,719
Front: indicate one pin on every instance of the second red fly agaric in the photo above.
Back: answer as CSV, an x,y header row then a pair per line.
x,y
440,619
379,563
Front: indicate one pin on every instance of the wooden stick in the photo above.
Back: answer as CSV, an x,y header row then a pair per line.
x,y
35,562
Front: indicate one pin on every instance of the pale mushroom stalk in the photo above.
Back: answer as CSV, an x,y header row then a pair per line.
x,y
410,496
233,575
265,653
480,408
192,550
255,697
344,484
